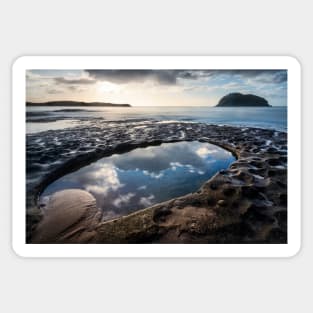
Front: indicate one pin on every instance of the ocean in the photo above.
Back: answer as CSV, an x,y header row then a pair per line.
x,y
40,119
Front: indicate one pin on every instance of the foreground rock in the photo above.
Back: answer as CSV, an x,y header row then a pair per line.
x,y
245,204
69,214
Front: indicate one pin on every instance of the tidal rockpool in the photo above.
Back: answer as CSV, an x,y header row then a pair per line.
x,y
124,183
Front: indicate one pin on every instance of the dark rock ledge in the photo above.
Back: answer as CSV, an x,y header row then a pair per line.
x,y
246,203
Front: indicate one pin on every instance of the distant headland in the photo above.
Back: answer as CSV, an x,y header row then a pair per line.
x,y
76,104
240,100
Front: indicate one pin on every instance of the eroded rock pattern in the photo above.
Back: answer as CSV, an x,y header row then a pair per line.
x,y
246,203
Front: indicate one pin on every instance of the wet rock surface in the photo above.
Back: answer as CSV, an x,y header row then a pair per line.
x,y
70,214
246,203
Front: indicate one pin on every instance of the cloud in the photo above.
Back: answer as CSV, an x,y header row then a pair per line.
x,y
171,77
74,81
277,77
156,159
244,73
123,199
100,179
203,152
146,201
52,91
167,77
152,174
143,187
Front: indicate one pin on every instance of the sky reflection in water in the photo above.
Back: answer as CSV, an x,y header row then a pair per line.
x,y
145,176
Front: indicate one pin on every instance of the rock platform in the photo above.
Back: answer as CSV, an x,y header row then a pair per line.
x,y
247,203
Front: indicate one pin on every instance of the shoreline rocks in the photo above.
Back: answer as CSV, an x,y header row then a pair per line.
x,y
246,203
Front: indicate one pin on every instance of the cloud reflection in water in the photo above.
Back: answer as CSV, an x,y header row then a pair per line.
x,y
145,176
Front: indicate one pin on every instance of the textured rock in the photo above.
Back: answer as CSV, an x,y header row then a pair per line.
x,y
246,203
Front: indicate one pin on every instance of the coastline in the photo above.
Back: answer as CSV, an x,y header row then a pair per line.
x,y
75,104
246,203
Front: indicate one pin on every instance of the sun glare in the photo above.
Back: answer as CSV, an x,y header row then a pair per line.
x,y
107,87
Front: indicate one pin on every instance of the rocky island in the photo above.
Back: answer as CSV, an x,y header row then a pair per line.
x,y
240,100
77,104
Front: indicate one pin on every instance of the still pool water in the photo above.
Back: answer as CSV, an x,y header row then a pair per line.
x,y
123,183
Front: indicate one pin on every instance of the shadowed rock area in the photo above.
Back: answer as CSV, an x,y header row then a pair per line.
x,y
246,203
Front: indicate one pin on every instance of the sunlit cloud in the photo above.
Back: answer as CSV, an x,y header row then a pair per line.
x,y
143,187
146,201
74,81
106,179
123,199
153,175
203,152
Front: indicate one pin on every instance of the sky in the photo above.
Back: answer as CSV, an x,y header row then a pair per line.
x,y
155,87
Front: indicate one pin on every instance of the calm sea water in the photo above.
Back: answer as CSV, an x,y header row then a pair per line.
x,y
45,118
142,177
